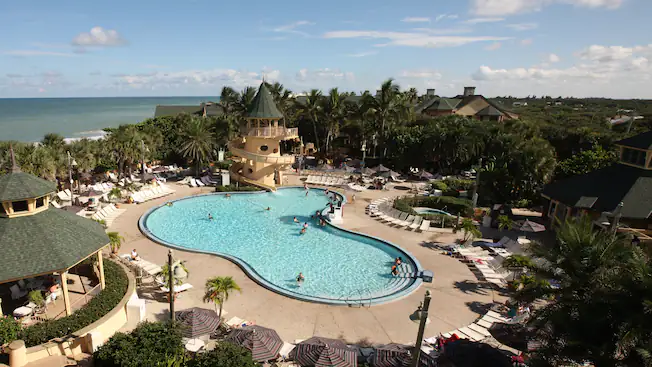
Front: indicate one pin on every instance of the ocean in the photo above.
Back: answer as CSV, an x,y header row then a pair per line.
x,y
28,119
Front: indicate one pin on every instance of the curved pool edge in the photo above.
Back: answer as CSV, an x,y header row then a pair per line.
x,y
251,272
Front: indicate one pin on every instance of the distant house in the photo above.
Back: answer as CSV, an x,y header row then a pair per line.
x,y
623,119
204,109
519,104
628,182
467,104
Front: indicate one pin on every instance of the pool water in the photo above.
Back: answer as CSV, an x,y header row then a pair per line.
x,y
431,211
337,264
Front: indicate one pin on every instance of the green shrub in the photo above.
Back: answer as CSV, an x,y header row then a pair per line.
x,y
450,204
100,305
223,165
230,188
9,329
404,206
457,184
436,219
440,185
149,344
225,354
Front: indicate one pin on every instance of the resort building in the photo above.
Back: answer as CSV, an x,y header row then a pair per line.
x,y
204,110
622,190
259,147
40,245
467,104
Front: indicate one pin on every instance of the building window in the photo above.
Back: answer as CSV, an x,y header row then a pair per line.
x,y
264,148
633,156
20,206
551,210
40,202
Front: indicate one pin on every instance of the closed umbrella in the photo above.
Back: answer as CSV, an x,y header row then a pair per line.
x,y
399,355
197,321
263,343
381,168
324,352
367,171
424,175
528,226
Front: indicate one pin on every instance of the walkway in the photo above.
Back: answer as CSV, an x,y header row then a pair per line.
x,y
458,297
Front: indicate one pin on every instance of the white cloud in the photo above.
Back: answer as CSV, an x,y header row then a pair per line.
x,y
421,74
446,16
99,36
493,47
510,7
293,28
523,26
597,71
483,20
526,42
416,20
325,74
363,54
39,53
442,31
412,39
192,78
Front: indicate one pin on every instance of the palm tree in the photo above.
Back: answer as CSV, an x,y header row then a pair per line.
x,y
518,263
334,113
311,110
165,274
504,222
197,141
228,100
125,145
218,290
470,230
115,241
116,193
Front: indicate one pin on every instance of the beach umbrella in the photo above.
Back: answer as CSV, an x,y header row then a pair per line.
x,y
424,175
381,168
263,343
367,171
528,226
91,192
324,352
197,321
399,355
466,353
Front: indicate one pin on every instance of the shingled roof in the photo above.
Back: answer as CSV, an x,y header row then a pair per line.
x,y
602,190
263,106
18,185
489,111
49,241
640,141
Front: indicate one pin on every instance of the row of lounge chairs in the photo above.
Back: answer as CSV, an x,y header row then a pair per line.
x,y
356,187
326,180
150,269
477,331
155,192
383,211
479,260
197,182
108,214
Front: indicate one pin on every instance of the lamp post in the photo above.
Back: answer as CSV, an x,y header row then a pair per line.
x,y
142,152
71,163
174,271
364,150
420,316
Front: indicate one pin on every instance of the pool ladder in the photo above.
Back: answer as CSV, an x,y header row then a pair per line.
x,y
360,301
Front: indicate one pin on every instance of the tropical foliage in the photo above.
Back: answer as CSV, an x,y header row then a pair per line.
x,y
217,291
600,302
469,229
115,241
504,222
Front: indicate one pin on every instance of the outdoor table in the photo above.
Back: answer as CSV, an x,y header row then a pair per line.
x,y
22,311
193,345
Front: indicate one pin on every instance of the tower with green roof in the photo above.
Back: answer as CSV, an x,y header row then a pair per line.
x,y
261,160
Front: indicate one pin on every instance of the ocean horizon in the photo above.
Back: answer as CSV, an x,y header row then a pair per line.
x,y
29,119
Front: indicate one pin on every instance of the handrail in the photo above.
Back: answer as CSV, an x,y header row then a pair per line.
x,y
271,131
237,151
238,177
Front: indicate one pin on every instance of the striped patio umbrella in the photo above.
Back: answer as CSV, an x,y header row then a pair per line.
x,y
197,321
323,352
399,355
263,343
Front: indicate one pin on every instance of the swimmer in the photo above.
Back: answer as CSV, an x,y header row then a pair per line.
x,y
307,192
210,216
322,222
305,225
227,196
303,230
268,208
326,192
305,186
394,270
295,220
169,203
397,261
300,279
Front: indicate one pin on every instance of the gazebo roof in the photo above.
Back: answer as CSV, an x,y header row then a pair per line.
x,y
263,106
20,186
46,242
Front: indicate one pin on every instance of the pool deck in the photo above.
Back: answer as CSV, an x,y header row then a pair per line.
x,y
458,297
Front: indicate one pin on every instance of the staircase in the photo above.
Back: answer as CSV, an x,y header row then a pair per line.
x,y
406,277
236,176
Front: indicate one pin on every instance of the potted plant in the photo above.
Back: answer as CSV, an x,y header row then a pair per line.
x,y
115,193
165,276
36,297
115,241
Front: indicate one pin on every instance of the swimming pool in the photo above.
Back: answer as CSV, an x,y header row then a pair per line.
x,y
431,211
340,266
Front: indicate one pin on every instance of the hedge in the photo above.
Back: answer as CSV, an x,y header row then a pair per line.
x,y
452,205
230,188
100,305
436,219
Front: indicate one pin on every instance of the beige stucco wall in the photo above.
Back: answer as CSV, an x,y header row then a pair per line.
x,y
261,171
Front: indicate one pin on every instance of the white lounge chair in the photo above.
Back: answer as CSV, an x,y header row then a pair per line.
x,y
235,322
408,221
178,288
199,182
402,216
425,225
193,183
416,224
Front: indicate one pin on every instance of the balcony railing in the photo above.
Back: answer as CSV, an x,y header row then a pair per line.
x,y
272,132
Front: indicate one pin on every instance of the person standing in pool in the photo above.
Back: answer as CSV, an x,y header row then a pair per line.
x,y
210,216
300,279
305,225
295,220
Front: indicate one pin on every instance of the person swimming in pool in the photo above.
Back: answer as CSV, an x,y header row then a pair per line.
x,y
305,225
303,230
268,208
322,222
210,216
300,279
398,261
394,270
295,220
227,196
169,203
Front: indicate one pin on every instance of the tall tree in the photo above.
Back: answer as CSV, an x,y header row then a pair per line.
x,y
312,110
198,142
334,114
218,290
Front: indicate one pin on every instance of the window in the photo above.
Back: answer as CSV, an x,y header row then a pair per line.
x,y
251,170
264,148
20,206
551,210
633,156
40,202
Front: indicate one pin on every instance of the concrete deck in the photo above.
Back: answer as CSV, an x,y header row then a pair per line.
x,y
458,297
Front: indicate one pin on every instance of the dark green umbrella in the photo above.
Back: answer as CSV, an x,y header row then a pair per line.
x,y
399,355
324,352
197,321
263,343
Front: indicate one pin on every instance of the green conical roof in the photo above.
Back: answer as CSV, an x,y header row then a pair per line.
x,y
263,106
17,185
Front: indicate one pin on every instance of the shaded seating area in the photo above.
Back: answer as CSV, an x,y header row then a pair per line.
x,y
42,245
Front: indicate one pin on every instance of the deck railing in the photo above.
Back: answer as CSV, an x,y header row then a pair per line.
x,y
271,131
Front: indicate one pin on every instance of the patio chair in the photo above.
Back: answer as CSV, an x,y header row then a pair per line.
x,y
407,222
416,224
425,225
401,217
391,215
193,183
178,288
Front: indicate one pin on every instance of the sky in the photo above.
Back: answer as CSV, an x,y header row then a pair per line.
x,y
583,48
